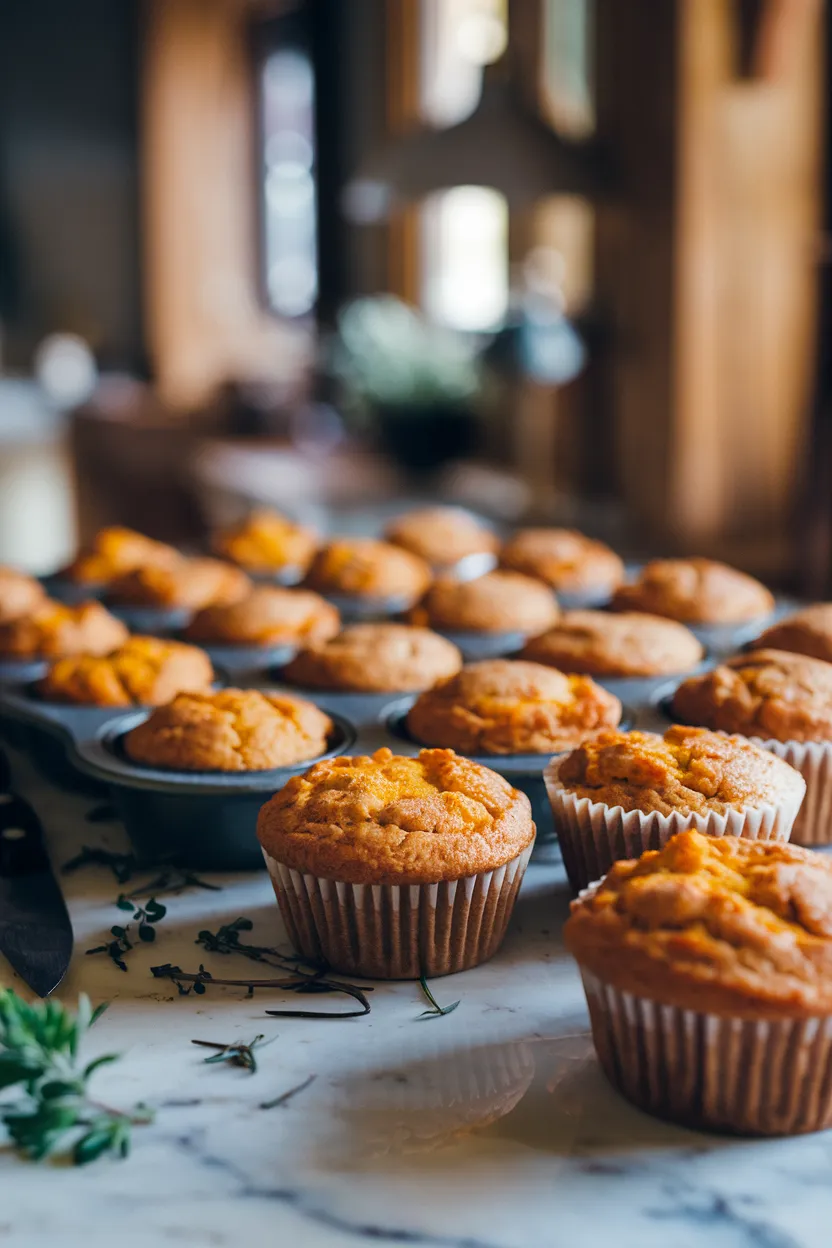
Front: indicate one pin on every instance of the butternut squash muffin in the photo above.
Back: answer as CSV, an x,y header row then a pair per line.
x,y
625,792
806,632
19,594
376,658
362,567
189,583
499,602
145,671
603,643
695,591
53,629
442,842
268,616
442,536
707,967
116,551
502,706
230,730
267,542
567,560
784,701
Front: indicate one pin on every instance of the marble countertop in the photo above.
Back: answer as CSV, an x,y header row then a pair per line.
x,y
491,1127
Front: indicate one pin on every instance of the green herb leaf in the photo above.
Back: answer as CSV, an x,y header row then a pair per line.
x,y
436,1010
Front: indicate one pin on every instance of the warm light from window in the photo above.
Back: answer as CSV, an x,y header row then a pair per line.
x,y
290,212
465,238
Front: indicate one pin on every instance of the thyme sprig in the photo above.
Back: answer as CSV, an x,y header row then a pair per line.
x,y
436,1010
170,879
143,916
123,866
285,1097
39,1054
236,1054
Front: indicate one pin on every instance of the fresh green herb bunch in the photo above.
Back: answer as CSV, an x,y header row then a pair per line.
x,y
39,1054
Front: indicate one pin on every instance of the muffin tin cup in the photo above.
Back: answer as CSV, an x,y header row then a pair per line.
x,y
286,577
740,1076
72,592
357,609
233,661
813,759
482,645
386,931
593,835
21,671
151,620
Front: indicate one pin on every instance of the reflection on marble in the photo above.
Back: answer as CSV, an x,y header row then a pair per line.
x,y
491,1127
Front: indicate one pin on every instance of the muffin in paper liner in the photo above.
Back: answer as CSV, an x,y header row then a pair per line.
x,y
813,759
386,931
739,1075
593,835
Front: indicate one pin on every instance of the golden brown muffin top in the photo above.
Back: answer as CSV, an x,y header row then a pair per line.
x,y
504,706
115,551
603,643
19,594
563,558
768,693
688,769
499,602
720,925
55,629
266,541
268,616
391,820
230,730
806,632
368,569
188,583
376,658
441,535
145,671
696,591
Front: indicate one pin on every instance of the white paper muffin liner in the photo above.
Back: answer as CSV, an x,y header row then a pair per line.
x,y
745,1076
813,759
593,835
386,931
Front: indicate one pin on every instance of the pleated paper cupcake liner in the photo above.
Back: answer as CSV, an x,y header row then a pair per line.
x,y
813,759
385,931
742,1076
593,835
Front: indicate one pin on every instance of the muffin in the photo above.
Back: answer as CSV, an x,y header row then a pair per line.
x,y
364,568
565,559
499,602
189,583
502,706
116,551
601,643
625,792
707,967
783,701
806,632
145,671
442,842
231,730
19,594
695,591
268,616
376,658
54,629
442,536
267,542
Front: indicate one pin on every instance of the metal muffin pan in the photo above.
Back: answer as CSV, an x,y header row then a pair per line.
x,y
63,589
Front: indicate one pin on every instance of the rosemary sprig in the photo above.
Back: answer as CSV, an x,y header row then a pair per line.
x,y
122,865
144,917
285,1097
173,880
188,981
237,1054
39,1054
436,1010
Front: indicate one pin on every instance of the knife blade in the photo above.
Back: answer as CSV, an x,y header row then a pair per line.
x,y
35,929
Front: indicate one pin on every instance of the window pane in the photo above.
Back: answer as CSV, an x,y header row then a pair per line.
x,y
465,246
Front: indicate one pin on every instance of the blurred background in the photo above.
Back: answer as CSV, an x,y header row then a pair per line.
x,y
559,260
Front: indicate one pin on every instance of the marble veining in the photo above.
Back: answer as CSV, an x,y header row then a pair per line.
x,y
491,1127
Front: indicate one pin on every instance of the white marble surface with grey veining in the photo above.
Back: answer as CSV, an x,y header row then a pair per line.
x,y
491,1127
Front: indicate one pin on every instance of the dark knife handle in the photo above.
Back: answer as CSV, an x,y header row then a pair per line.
x,y
5,774
22,848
